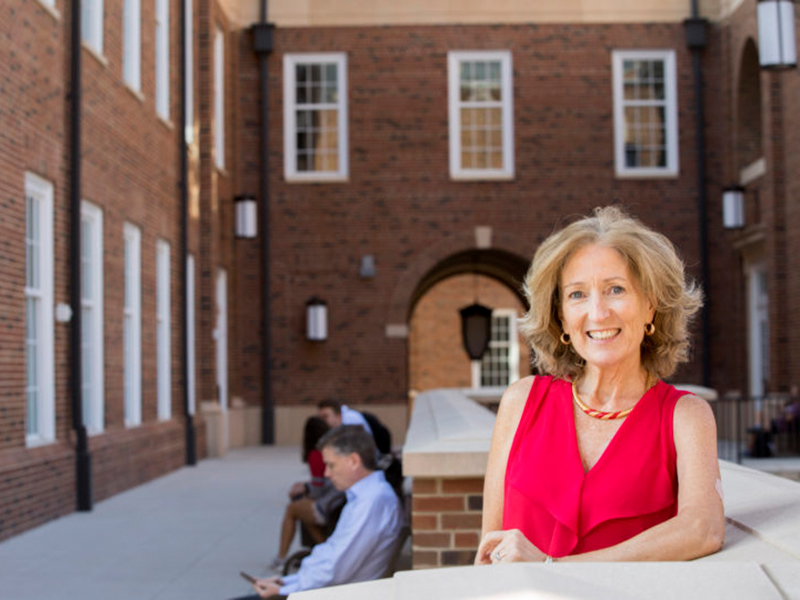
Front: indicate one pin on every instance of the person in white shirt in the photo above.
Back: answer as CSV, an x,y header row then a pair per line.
x,y
368,529
335,414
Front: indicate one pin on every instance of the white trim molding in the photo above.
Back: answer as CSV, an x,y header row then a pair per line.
x,y
315,121
132,326
481,114
163,331
39,324
645,113
93,392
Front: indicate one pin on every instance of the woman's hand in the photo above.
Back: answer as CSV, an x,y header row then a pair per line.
x,y
298,490
507,546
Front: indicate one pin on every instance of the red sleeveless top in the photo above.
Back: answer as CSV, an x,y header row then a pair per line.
x,y
564,510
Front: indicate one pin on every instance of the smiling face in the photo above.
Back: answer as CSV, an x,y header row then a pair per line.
x,y
603,309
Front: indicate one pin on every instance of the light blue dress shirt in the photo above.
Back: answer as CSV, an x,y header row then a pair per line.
x,y
353,417
362,543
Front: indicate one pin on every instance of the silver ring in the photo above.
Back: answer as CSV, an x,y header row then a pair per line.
x,y
497,555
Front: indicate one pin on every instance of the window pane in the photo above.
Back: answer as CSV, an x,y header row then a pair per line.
x,y
87,356
32,365
86,279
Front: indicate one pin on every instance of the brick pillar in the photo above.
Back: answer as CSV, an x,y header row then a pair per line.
x,y
445,521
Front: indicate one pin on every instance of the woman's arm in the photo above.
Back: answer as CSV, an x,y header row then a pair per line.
x,y
699,527
505,426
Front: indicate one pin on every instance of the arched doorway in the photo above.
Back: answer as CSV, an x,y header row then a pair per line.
x,y
437,357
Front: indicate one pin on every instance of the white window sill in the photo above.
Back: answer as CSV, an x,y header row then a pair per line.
x,y
97,55
753,171
51,10
317,178
165,121
648,174
482,176
37,442
134,92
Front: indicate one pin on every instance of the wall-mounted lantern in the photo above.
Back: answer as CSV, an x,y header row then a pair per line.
x,y
367,268
733,207
476,327
776,39
246,217
316,320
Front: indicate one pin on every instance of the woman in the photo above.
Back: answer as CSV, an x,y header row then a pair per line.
x,y
601,460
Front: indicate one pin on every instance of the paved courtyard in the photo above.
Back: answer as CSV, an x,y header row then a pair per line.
x,y
183,536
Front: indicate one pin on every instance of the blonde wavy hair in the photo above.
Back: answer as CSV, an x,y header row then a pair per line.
x,y
651,259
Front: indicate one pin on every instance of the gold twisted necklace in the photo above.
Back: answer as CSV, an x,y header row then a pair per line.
x,y
603,415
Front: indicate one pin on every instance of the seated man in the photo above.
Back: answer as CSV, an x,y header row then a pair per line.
x,y
334,413
362,544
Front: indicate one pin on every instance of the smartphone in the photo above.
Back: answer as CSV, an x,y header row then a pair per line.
x,y
249,578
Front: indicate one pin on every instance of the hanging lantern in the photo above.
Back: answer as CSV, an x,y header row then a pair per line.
x,y
776,40
476,327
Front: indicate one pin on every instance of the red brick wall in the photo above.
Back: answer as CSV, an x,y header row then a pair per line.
x,y
436,353
445,521
401,206
130,170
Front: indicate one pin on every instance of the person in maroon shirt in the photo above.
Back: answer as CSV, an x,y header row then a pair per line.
x,y
600,460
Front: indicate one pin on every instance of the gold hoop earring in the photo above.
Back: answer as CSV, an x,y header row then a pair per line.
x,y
649,328
564,338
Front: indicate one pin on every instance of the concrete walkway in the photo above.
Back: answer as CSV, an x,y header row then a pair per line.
x,y
184,536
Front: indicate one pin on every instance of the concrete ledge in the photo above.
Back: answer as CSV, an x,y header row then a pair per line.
x,y
449,436
448,442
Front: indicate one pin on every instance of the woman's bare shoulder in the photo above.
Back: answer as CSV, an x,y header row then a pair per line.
x,y
690,408
693,418
513,401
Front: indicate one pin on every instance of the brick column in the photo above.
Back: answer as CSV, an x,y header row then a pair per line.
x,y
445,521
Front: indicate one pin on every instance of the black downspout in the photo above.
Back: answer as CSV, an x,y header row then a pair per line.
x,y
262,44
83,460
696,40
191,440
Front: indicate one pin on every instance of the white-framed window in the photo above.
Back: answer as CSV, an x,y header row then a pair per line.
x,y
132,326
499,366
645,113
132,43
39,353
481,115
315,142
92,24
162,58
92,392
163,342
191,356
219,99
189,56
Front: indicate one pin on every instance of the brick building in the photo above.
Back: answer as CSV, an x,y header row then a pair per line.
x,y
405,160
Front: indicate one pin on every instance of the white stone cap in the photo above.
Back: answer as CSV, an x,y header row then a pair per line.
x,y
557,581
448,436
706,393
368,590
